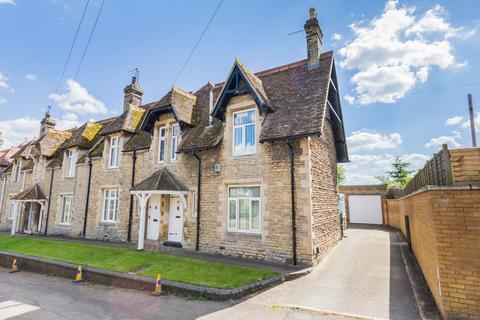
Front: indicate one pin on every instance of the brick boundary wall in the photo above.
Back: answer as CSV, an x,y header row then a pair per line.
x,y
445,237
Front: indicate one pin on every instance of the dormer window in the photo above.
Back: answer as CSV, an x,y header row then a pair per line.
x,y
244,136
162,143
71,160
114,152
174,146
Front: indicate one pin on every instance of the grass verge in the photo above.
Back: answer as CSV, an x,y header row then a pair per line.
x,y
186,270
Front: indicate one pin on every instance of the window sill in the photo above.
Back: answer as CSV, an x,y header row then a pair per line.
x,y
243,155
112,168
107,223
244,234
65,225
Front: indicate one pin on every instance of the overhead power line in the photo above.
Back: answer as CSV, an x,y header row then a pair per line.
x,y
198,41
446,88
89,39
71,47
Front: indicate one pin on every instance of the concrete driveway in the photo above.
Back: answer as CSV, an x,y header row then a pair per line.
x,y
363,277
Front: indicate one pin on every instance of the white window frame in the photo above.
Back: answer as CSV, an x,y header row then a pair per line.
x,y
114,150
162,140
16,171
66,217
237,208
110,202
174,143
71,161
11,210
244,152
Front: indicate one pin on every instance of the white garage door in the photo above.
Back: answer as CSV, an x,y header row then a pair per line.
x,y
365,209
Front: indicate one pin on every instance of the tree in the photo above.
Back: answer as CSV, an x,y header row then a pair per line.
x,y
340,174
399,176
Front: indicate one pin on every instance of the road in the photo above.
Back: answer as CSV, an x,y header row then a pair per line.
x,y
32,296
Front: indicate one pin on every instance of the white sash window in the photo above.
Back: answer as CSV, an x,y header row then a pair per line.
x,y
244,136
244,209
110,205
67,209
114,152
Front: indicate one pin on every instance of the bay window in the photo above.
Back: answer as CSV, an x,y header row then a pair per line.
x,y
162,142
244,209
110,205
244,137
114,152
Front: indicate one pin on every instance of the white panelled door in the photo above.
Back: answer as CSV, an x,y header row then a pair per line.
x,y
365,209
153,221
175,220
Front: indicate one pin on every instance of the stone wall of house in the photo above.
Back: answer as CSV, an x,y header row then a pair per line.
x,y
445,238
324,195
269,168
25,180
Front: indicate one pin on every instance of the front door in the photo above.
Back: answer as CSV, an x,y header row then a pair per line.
x,y
175,220
153,221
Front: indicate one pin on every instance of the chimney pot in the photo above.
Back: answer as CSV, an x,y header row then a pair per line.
x,y
313,13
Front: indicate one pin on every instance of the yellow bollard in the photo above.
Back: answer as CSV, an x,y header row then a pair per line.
x,y
14,266
79,275
158,286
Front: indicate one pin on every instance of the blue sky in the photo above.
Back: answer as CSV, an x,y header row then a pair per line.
x,y
392,58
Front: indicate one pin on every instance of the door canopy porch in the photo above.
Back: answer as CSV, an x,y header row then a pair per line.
x,y
160,182
34,194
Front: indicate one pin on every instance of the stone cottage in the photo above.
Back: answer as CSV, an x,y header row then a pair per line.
x,y
246,167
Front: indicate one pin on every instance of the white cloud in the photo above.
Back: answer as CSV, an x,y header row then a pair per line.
x,y
68,121
7,2
31,77
366,140
78,100
4,81
363,168
451,140
17,130
395,50
3,100
476,121
454,120
337,37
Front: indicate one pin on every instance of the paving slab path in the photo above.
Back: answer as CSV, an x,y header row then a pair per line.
x,y
363,277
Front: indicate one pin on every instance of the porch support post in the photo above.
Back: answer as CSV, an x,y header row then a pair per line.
x,y
40,216
142,202
15,218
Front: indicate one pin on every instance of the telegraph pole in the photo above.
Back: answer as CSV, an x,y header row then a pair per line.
x,y
472,120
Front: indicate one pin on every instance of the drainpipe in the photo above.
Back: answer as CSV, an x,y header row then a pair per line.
x,y
199,184
87,200
49,199
292,192
130,213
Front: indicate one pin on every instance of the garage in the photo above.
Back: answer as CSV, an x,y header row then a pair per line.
x,y
365,209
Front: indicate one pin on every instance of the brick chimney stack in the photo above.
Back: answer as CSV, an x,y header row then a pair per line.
x,y
47,123
314,39
133,95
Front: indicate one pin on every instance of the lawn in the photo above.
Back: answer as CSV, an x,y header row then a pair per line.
x,y
186,270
